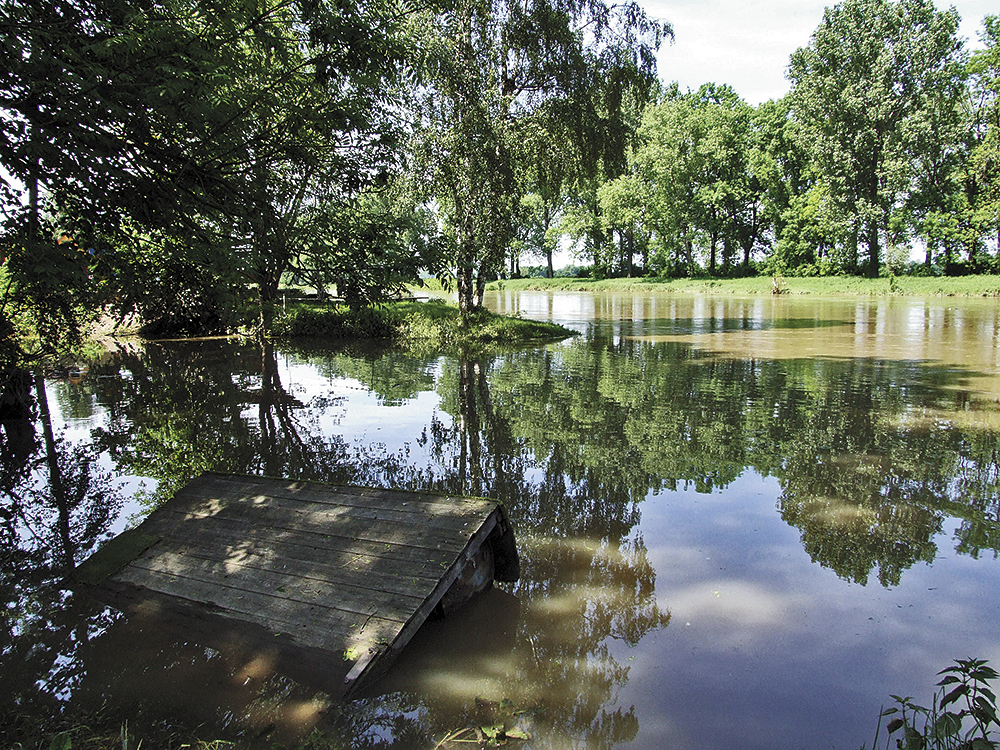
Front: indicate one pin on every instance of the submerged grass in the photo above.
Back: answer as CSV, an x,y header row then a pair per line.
x,y
431,323
99,731
915,286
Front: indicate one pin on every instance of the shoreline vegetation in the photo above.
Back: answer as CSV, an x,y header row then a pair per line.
x,y
910,286
437,321
434,323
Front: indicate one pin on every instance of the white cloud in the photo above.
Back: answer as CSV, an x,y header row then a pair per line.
x,y
747,44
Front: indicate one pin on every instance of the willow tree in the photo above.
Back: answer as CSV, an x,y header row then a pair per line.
x,y
495,73
868,77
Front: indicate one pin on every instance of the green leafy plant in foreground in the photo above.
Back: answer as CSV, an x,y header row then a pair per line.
x,y
963,715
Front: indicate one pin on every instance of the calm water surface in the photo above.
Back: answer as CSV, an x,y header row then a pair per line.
x,y
742,522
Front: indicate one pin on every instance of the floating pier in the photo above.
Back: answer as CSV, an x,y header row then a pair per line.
x,y
345,573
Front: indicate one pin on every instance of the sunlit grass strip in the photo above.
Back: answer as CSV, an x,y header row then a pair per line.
x,y
916,286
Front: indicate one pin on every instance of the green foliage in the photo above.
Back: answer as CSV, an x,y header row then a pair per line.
x,y
701,170
210,128
499,79
962,716
335,322
47,295
872,74
434,322
194,155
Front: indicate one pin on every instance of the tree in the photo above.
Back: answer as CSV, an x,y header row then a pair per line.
x,y
210,126
870,73
700,156
667,161
493,71
623,205
983,179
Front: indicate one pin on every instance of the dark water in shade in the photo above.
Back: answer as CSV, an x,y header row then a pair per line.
x,y
742,522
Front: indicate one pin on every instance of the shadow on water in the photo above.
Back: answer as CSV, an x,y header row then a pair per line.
x,y
871,456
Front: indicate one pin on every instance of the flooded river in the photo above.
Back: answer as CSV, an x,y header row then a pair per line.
x,y
742,522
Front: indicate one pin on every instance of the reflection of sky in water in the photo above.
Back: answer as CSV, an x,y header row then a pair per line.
x,y
763,643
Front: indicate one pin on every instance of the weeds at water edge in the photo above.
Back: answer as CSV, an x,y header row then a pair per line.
x,y
962,715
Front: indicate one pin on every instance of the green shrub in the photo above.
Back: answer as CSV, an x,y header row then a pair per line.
x,y
302,320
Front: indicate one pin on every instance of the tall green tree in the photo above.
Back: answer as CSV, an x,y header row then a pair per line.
x,y
212,126
700,156
495,71
668,160
872,70
983,178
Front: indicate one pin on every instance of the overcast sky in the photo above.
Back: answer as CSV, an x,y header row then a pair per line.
x,y
747,43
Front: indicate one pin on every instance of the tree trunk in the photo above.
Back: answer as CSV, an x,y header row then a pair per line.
x,y
56,486
546,219
481,286
711,253
873,250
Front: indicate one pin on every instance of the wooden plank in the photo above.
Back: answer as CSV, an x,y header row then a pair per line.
x,y
310,588
349,571
427,531
232,534
239,487
308,625
376,573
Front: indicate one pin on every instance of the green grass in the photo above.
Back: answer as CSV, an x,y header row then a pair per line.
x,y
916,286
431,323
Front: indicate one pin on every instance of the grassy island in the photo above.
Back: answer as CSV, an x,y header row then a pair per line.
x,y
434,323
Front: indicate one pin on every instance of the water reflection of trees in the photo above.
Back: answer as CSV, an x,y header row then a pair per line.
x,y
56,504
871,456
868,455
175,415
574,438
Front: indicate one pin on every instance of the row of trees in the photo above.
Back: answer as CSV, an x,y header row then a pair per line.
x,y
180,158
887,141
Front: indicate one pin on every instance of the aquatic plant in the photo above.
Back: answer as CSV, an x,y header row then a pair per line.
x,y
962,716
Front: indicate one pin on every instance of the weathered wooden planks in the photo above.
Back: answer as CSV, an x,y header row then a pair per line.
x,y
349,572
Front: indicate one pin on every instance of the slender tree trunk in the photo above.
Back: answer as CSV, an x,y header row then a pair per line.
x,y
852,248
546,219
873,250
465,283
56,486
711,253
481,286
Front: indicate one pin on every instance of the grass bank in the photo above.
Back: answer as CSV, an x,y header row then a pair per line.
x,y
432,323
913,286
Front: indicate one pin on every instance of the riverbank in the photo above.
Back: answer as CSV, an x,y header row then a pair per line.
x,y
914,286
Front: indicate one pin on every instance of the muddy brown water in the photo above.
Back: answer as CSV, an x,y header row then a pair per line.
x,y
742,522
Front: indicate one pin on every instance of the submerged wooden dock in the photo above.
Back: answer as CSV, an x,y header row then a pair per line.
x,y
346,572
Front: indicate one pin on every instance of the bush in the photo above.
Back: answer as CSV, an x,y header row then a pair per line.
x,y
303,320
